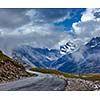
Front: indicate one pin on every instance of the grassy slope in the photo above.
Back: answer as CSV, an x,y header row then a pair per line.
x,y
90,77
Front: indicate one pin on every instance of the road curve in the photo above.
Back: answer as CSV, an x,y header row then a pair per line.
x,y
43,82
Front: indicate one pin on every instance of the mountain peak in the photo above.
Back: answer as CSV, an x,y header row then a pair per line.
x,y
69,47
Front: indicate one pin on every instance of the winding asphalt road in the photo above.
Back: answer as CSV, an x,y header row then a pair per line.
x,y
42,82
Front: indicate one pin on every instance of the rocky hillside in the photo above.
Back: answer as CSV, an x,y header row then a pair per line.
x,y
10,70
82,85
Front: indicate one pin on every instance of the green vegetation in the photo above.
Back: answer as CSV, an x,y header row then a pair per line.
x,y
2,57
90,77
51,71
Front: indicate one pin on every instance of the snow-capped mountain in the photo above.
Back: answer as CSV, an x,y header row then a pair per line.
x,y
86,59
89,61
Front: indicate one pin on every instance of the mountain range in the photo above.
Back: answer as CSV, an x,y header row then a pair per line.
x,y
69,58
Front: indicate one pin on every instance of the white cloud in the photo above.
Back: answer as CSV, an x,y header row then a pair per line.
x,y
89,26
76,29
88,15
91,14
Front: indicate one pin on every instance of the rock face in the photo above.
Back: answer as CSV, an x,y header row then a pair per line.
x,y
10,70
69,47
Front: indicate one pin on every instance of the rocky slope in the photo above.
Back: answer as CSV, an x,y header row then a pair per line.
x,y
82,85
10,70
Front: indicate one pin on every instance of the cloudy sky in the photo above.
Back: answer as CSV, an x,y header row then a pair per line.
x,y
47,27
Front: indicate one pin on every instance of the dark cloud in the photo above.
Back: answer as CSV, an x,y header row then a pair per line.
x,y
51,15
13,18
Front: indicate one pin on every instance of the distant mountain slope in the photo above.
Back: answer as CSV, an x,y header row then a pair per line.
x,y
91,61
35,56
10,70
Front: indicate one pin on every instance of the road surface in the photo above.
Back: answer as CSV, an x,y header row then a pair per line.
x,y
42,82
